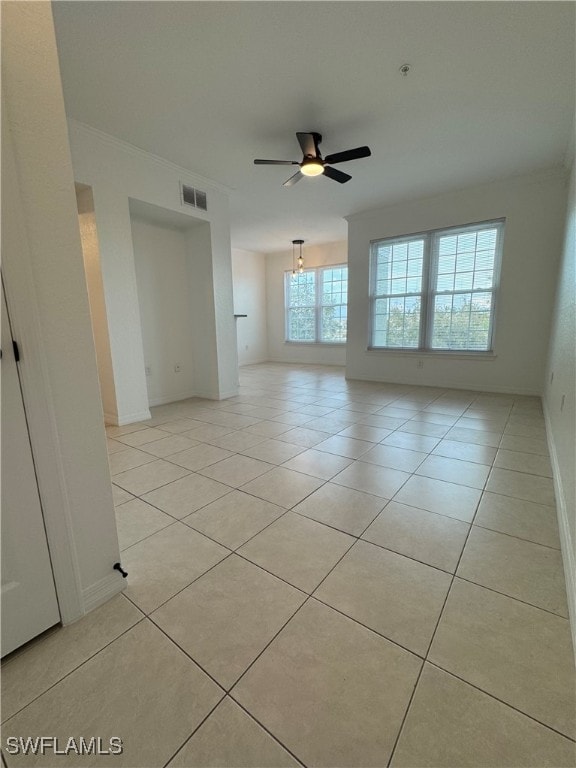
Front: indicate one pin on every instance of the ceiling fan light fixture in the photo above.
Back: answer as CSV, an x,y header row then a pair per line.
x,y
312,168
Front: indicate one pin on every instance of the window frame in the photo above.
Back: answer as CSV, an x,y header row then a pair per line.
x,y
317,306
431,238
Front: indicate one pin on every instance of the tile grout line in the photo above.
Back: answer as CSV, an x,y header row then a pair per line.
x,y
370,629
81,664
149,535
388,501
513,536
231,490
188,656
147,615
268,644
437,625
177,519
163,485
329,480
308,597
397,429
441,613
200,724
435,567
511,597
408,706
501,701
423,662
230,551
429,453
276,739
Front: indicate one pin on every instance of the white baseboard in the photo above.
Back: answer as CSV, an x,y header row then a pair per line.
x,y
258,361
129,418
566,543
171,398
226,395
305,362
447,385
98,593
216,395
187,395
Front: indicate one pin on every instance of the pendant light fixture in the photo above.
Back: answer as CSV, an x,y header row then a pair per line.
x,y
297,262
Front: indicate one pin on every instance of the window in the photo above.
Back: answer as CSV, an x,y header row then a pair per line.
x,y
316,305
436,290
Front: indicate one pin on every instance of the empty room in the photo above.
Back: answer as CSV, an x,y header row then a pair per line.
x,y
288,384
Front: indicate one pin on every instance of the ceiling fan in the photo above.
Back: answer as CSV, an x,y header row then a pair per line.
x,y
313,164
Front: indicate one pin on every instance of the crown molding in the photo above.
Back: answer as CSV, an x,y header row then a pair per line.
x,y
184,173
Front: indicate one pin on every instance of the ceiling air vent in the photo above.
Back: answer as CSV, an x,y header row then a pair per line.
x,y
194,197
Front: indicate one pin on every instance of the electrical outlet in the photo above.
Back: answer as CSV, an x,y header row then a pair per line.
x,y
177,368
420,364
148,370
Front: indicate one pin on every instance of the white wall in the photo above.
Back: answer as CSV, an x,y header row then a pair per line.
x,y
249,275
164,295
48,301
91,254
118,172
204,283
276,266
560,398
533,207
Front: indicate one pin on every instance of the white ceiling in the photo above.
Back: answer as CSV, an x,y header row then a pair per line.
x,y
212,85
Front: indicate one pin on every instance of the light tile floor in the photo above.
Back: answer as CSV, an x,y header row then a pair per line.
x,y
321,573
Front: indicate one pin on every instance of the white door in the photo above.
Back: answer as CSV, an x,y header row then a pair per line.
x,y
29,604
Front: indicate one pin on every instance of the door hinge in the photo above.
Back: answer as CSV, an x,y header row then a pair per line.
x,y
16,351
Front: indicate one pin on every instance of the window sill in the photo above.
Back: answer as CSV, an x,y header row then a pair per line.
x,y
444,353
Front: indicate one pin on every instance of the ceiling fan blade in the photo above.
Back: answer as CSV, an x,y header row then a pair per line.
x,y
276,162
334,173
309,143
349,154
293,179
